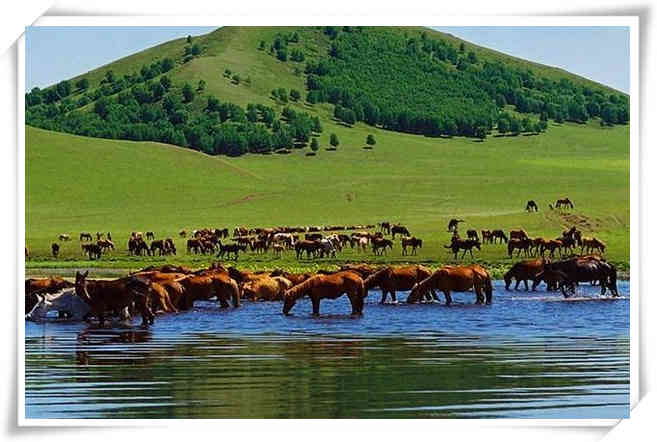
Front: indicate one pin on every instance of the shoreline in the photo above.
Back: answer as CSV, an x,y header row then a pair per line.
x,y
68,269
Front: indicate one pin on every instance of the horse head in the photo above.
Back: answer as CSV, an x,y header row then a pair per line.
x,y
81,285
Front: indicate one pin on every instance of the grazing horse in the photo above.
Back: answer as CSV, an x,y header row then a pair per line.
x,y
66,302
399,229
194,245
86,236
105,244
552,245
379,245
64,237
565,202
592,244
102,296
328,287
531,206
55,249
518,234
472,234
393,279
93,250
308,246
454,224
486,236
227,249
158,245
498,234
524,271
520,245
463,244
150,235
385,226
456,279
411,242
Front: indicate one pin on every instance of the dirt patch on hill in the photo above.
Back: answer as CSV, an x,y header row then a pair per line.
x,y
582,222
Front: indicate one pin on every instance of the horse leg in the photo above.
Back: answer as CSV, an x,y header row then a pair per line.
x,y
315,300
394,296
384,295
517,284
448,297
526,285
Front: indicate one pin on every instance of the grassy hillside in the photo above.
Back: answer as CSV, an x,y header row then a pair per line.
x,y
79,184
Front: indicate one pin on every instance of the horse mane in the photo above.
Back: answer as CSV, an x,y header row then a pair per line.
x,y
375,278
299,290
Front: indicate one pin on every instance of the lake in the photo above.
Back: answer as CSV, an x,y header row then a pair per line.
x,y
528,355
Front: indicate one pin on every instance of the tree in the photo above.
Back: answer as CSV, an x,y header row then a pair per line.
x,y
514,126
335,142
82,84
165,82
262,45
472,57
196,50
281,54
295,95
167,64
462,47
188,93
282,94
370,140
213,104
314,145
189,39
503,126
228,73
480,132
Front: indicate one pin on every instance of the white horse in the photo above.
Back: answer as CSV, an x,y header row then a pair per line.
x,y
65,302
363,241
327,247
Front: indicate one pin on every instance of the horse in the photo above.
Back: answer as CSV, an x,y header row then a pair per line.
x,y
55,249
531,206
565,202
463,244
46,285
86,236
93,250
102,296
308,246
227,249
182,233
211,282
456,279
364,270
385,226
150,235
591,244
486,236
399,229
266,288
585,269
328,247
498,234
99,235
518,234
523,244
552,245
328,287
169,247
64,237
411,242
392,279
472,234
194,245
454,224
379,245
105,244
158,245
66,302
524,271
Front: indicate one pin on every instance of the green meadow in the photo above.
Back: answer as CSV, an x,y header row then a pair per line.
x,y
76,184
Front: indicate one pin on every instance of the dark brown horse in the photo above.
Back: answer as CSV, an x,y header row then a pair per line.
x,y
498,234
521,245
102,296
412,242
392,279
55,249
565,202
46,285
531,206
93,250
456,279
398,229
454,224
524,271
328,287
463,244
379,245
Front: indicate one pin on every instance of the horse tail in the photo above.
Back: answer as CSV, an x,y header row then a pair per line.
x,y
375,278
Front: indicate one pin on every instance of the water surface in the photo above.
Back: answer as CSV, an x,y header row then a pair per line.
x,y
528,355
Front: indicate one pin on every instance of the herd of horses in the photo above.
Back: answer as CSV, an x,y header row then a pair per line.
x,y
169,288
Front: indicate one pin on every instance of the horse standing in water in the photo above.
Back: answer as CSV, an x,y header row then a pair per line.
x,y
456,279
328,287
393,279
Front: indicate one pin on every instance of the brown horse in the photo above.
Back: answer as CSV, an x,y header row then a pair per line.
x,y
463,244
412,242
392,279
524,271
379,245
592,244
398,229
521,245
486,236
498,234
328,287
518,234
456,279
46,285
552,245
55,249
116,295
565,202
93,250
266,288
203,287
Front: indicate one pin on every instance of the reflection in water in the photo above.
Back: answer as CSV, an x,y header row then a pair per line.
x,y
516,358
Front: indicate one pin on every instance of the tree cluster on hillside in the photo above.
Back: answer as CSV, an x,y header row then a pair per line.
x,y
428,86
158,111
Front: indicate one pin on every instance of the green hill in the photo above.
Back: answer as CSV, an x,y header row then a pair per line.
x,y
77,183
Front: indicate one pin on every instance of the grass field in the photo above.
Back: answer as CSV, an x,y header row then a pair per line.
x,y
76,184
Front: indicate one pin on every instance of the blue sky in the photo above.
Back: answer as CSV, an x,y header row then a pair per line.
x,y
599,53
